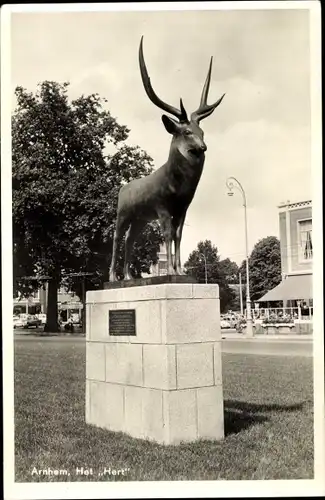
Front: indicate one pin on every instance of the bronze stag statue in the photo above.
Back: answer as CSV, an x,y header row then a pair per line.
x,y
167,192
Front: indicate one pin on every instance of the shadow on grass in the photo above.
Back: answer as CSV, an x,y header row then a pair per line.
x,y
236,422
239,415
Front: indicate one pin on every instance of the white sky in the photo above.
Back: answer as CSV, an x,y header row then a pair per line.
x,y
259,134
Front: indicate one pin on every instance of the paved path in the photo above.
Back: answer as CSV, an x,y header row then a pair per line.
x,y
269,346
235,344
229,335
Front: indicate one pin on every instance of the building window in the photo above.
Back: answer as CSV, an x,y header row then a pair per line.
x,y
305,240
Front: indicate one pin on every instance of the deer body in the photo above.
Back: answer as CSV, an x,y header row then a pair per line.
x,y
166,193
170,186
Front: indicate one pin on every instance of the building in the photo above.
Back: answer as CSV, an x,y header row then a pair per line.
x,y
68,303
295,221
160,269
34,304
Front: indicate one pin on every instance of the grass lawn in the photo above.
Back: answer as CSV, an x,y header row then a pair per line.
x,y
268,422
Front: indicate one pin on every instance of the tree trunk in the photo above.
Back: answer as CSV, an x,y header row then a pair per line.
x,y
52,307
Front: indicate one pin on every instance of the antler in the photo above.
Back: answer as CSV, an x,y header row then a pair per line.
x,y
179,113
205,109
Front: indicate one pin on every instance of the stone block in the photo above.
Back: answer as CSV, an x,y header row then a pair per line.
x,y
143,413
194,365
107,405
180,416
152,415
97,397
174,291
217,361
202,291
98,322
148,322
88,321
95,361
210,413
133,411
189,320
124,364
159,366
104,296
88,403
140,293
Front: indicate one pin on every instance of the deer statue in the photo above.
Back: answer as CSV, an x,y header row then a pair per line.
x,y
166,193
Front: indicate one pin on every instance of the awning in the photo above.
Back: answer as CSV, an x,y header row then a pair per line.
x,y
298,287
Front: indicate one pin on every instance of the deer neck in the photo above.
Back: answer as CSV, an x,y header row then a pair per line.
x,y
178,162
183,174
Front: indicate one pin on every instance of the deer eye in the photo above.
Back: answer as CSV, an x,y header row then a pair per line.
x,y
187,132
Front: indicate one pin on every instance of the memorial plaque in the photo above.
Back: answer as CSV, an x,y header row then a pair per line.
x,y
122,322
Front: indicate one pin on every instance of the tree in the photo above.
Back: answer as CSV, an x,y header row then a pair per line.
x,y
65,188
230,270
264,267
205,261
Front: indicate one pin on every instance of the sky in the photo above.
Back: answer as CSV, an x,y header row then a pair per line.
x,y
260,134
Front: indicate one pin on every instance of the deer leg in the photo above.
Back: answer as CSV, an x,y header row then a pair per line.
x,y
130,237
168,232
119,231
178,224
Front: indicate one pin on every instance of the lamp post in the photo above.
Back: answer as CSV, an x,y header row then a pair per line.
x,y
241,295
232,183
205,267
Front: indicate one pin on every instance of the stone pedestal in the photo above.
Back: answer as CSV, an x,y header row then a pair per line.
x,y
165,382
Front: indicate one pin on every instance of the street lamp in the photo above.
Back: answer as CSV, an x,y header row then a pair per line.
x,y
205,267
232,183
241,294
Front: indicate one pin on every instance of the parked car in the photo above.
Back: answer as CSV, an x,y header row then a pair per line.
x,y
18,322
225,324
32,322
42,318
23,318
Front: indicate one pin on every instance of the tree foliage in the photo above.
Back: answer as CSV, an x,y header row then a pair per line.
x,y
65,186
264,267
230,270
205,258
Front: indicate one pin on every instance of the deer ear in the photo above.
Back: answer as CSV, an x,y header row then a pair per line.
x,y
170,125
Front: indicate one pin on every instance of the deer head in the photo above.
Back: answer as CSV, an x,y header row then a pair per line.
x,y
188,137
